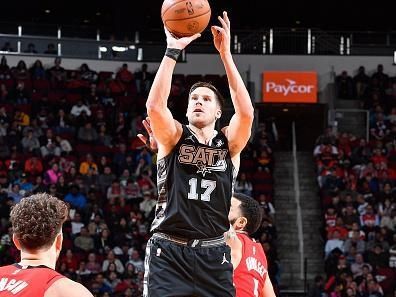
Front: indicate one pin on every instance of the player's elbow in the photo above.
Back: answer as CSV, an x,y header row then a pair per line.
x,y
247,114
153,108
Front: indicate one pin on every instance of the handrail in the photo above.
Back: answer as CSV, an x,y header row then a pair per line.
x,y
275,40
297,198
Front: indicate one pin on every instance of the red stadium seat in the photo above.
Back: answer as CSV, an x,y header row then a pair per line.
x,y
41,85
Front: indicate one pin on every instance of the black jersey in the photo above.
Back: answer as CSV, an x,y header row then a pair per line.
x,y
195,183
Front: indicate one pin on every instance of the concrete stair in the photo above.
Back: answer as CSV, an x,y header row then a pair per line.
x,y
286,220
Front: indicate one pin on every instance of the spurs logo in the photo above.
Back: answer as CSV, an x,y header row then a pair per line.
x,y
220,166
219,142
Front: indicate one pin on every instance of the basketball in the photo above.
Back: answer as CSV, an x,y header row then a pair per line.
x,y
185,18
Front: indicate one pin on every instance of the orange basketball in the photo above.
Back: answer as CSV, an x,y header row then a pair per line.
x,y
185,18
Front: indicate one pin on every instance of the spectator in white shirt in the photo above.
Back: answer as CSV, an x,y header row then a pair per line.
x,y
79,108
334,242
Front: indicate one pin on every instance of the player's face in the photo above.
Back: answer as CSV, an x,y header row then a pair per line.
x,y
203,108
235,212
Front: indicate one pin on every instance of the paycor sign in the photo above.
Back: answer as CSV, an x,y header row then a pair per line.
x,y
290,87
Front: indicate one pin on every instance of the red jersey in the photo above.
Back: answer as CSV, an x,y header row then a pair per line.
x,y
26,281
250,275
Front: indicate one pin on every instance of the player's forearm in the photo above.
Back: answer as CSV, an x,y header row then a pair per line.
x,y
239,94
160,89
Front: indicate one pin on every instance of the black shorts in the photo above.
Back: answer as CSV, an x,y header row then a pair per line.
x,y
174,269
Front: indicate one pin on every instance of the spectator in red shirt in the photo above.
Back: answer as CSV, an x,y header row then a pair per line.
x,y
124,75
33,166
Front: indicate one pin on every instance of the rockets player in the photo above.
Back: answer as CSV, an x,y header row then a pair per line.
x,y
37,232
250,264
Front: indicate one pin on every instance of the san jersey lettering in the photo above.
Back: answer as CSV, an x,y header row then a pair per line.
x,y
207,159
195,183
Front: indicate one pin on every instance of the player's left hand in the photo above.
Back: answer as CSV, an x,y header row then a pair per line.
x,y
222,35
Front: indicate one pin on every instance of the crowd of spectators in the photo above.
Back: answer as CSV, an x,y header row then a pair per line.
x,y
72,133
357,181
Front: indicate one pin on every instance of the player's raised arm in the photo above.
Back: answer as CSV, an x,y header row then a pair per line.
x,y
166,130
239,129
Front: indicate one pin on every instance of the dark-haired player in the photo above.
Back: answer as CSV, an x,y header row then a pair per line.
x,y
248,258
197,165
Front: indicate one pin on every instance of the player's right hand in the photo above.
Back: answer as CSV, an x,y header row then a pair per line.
x,y
179,43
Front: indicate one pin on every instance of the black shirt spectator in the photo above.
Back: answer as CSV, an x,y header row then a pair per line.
x,y
344,86
360,83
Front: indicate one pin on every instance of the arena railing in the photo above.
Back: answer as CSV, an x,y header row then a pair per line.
x,y
90,43
298,206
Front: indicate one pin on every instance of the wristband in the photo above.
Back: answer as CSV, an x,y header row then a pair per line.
x,y
173,53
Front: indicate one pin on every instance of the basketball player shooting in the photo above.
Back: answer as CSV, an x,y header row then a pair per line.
x,y
247,256
197,165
